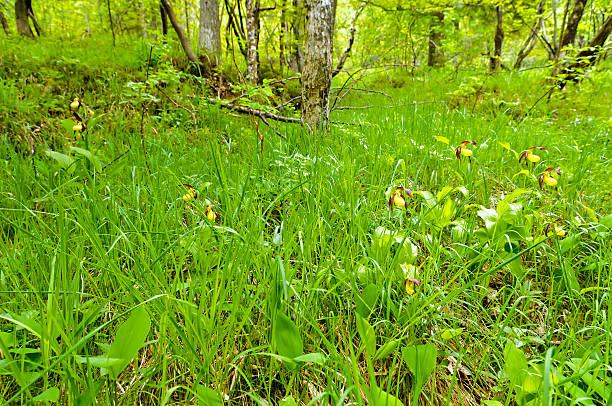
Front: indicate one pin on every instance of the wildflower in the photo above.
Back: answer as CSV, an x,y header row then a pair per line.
x,y
461,150
410,285
76,103
555,228
548,177
398,197
191,194
210,211
90,112
528,155
78,126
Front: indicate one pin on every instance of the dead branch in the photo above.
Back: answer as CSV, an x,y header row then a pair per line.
x,y
347,51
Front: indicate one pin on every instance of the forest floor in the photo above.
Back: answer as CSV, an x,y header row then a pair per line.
x,y
162,255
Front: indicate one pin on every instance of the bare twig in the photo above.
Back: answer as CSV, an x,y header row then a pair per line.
x,y
347,51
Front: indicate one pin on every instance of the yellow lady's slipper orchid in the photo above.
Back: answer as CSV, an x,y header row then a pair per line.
x,y
210,212
410,285
554,227
76,103
78,127
548,177
398,197
528,155
462,150
191,194
90,112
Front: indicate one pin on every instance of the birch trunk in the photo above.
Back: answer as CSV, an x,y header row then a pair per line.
x,y
252,72
317,70
209,42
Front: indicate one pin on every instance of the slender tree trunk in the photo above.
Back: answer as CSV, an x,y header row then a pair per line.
x,y
86,19
588,56
252,9
209,42
570,30
532,39
4,24
186,6
435,55
296,56
21,19
110,19
185,43
495,63
164,19
317,72
282,35
32,17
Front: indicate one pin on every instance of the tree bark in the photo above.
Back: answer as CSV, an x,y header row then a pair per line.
x,y
317,71
164,19
4,24
252,9
495,62
588,56
37,26
21,19
295,58
185,43
435,55
209,41
110,20
569,33
532,39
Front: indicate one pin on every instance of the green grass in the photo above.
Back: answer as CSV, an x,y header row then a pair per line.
x,y
305,256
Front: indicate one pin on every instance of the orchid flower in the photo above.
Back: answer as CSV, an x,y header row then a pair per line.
x,y
548,177
461,150
528,155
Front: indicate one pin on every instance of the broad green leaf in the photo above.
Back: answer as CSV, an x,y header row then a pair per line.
x,y
382,398
207,396
364,303
492,403
313,357
515,365
421,360
64,160
99,361
442,139
368,337
130,337
288,401
386,349
287,337
50,395
450,333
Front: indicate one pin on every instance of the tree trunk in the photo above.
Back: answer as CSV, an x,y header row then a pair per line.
x,y
21,19
532,39
164,19
37,26
317,72
110,20
569,33
347,51
185,43
435,55
209,42
495,62
588,56
186,7
252,9
4,24
296,54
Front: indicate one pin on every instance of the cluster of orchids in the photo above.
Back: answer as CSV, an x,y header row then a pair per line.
x,y
548,177
192,195
80,124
